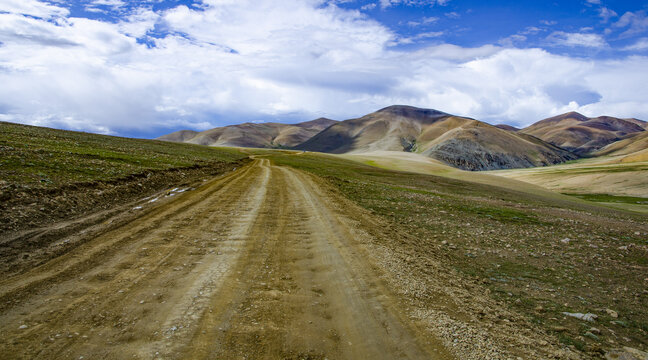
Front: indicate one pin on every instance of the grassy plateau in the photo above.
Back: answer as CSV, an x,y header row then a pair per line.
x,y
42,157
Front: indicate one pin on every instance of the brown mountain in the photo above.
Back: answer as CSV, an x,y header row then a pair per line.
x,y
261,135
461,142
507,127
582,135
631,149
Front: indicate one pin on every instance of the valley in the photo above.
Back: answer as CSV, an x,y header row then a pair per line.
x,y
188,251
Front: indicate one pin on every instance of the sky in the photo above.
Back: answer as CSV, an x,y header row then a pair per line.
x,y
149,67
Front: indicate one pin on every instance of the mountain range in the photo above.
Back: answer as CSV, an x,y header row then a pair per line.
x,y
582,135
259,135
461,142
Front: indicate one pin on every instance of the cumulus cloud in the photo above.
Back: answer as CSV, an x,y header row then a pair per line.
x,y
32,8
292,60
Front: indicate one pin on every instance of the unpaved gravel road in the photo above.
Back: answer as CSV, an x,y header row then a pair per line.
x,y
254,264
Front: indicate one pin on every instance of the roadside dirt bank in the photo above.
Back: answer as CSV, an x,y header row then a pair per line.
x,y
33,222
25,208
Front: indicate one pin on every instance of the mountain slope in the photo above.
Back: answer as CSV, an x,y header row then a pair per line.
x,y
461,142
582,135
262,135
507,127
631,149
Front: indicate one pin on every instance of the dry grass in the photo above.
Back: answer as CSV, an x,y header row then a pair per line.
x,y
604,175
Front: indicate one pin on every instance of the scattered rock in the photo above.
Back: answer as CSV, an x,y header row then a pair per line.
x,y
591,336
587,317
595,331
565,240
23,326
627,353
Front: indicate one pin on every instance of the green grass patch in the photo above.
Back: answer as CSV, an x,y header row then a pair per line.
x,y
605,198
42,157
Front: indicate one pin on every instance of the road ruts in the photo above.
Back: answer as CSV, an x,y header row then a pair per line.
x,y
254,265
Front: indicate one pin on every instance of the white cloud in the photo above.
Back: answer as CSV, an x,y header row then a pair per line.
x,y
510,41
370,6
139,23
640,45
249,60
101,6
635,22
418,37
423,21
606,14
33,8
388,3
531,30
576,39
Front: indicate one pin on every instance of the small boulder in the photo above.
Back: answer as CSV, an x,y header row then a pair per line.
x,y
591,336
612,313
587,317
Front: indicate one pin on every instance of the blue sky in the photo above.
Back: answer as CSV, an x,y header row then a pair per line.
x,y
145,68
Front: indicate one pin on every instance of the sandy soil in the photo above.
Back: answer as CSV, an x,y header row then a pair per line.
x,y
259,263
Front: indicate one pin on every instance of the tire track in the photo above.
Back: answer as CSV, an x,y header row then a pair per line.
x,y
257,264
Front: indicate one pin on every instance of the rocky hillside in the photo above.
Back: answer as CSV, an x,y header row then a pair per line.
x,y
461,142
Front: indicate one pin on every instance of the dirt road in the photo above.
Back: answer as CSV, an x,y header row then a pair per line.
x,y
255,264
